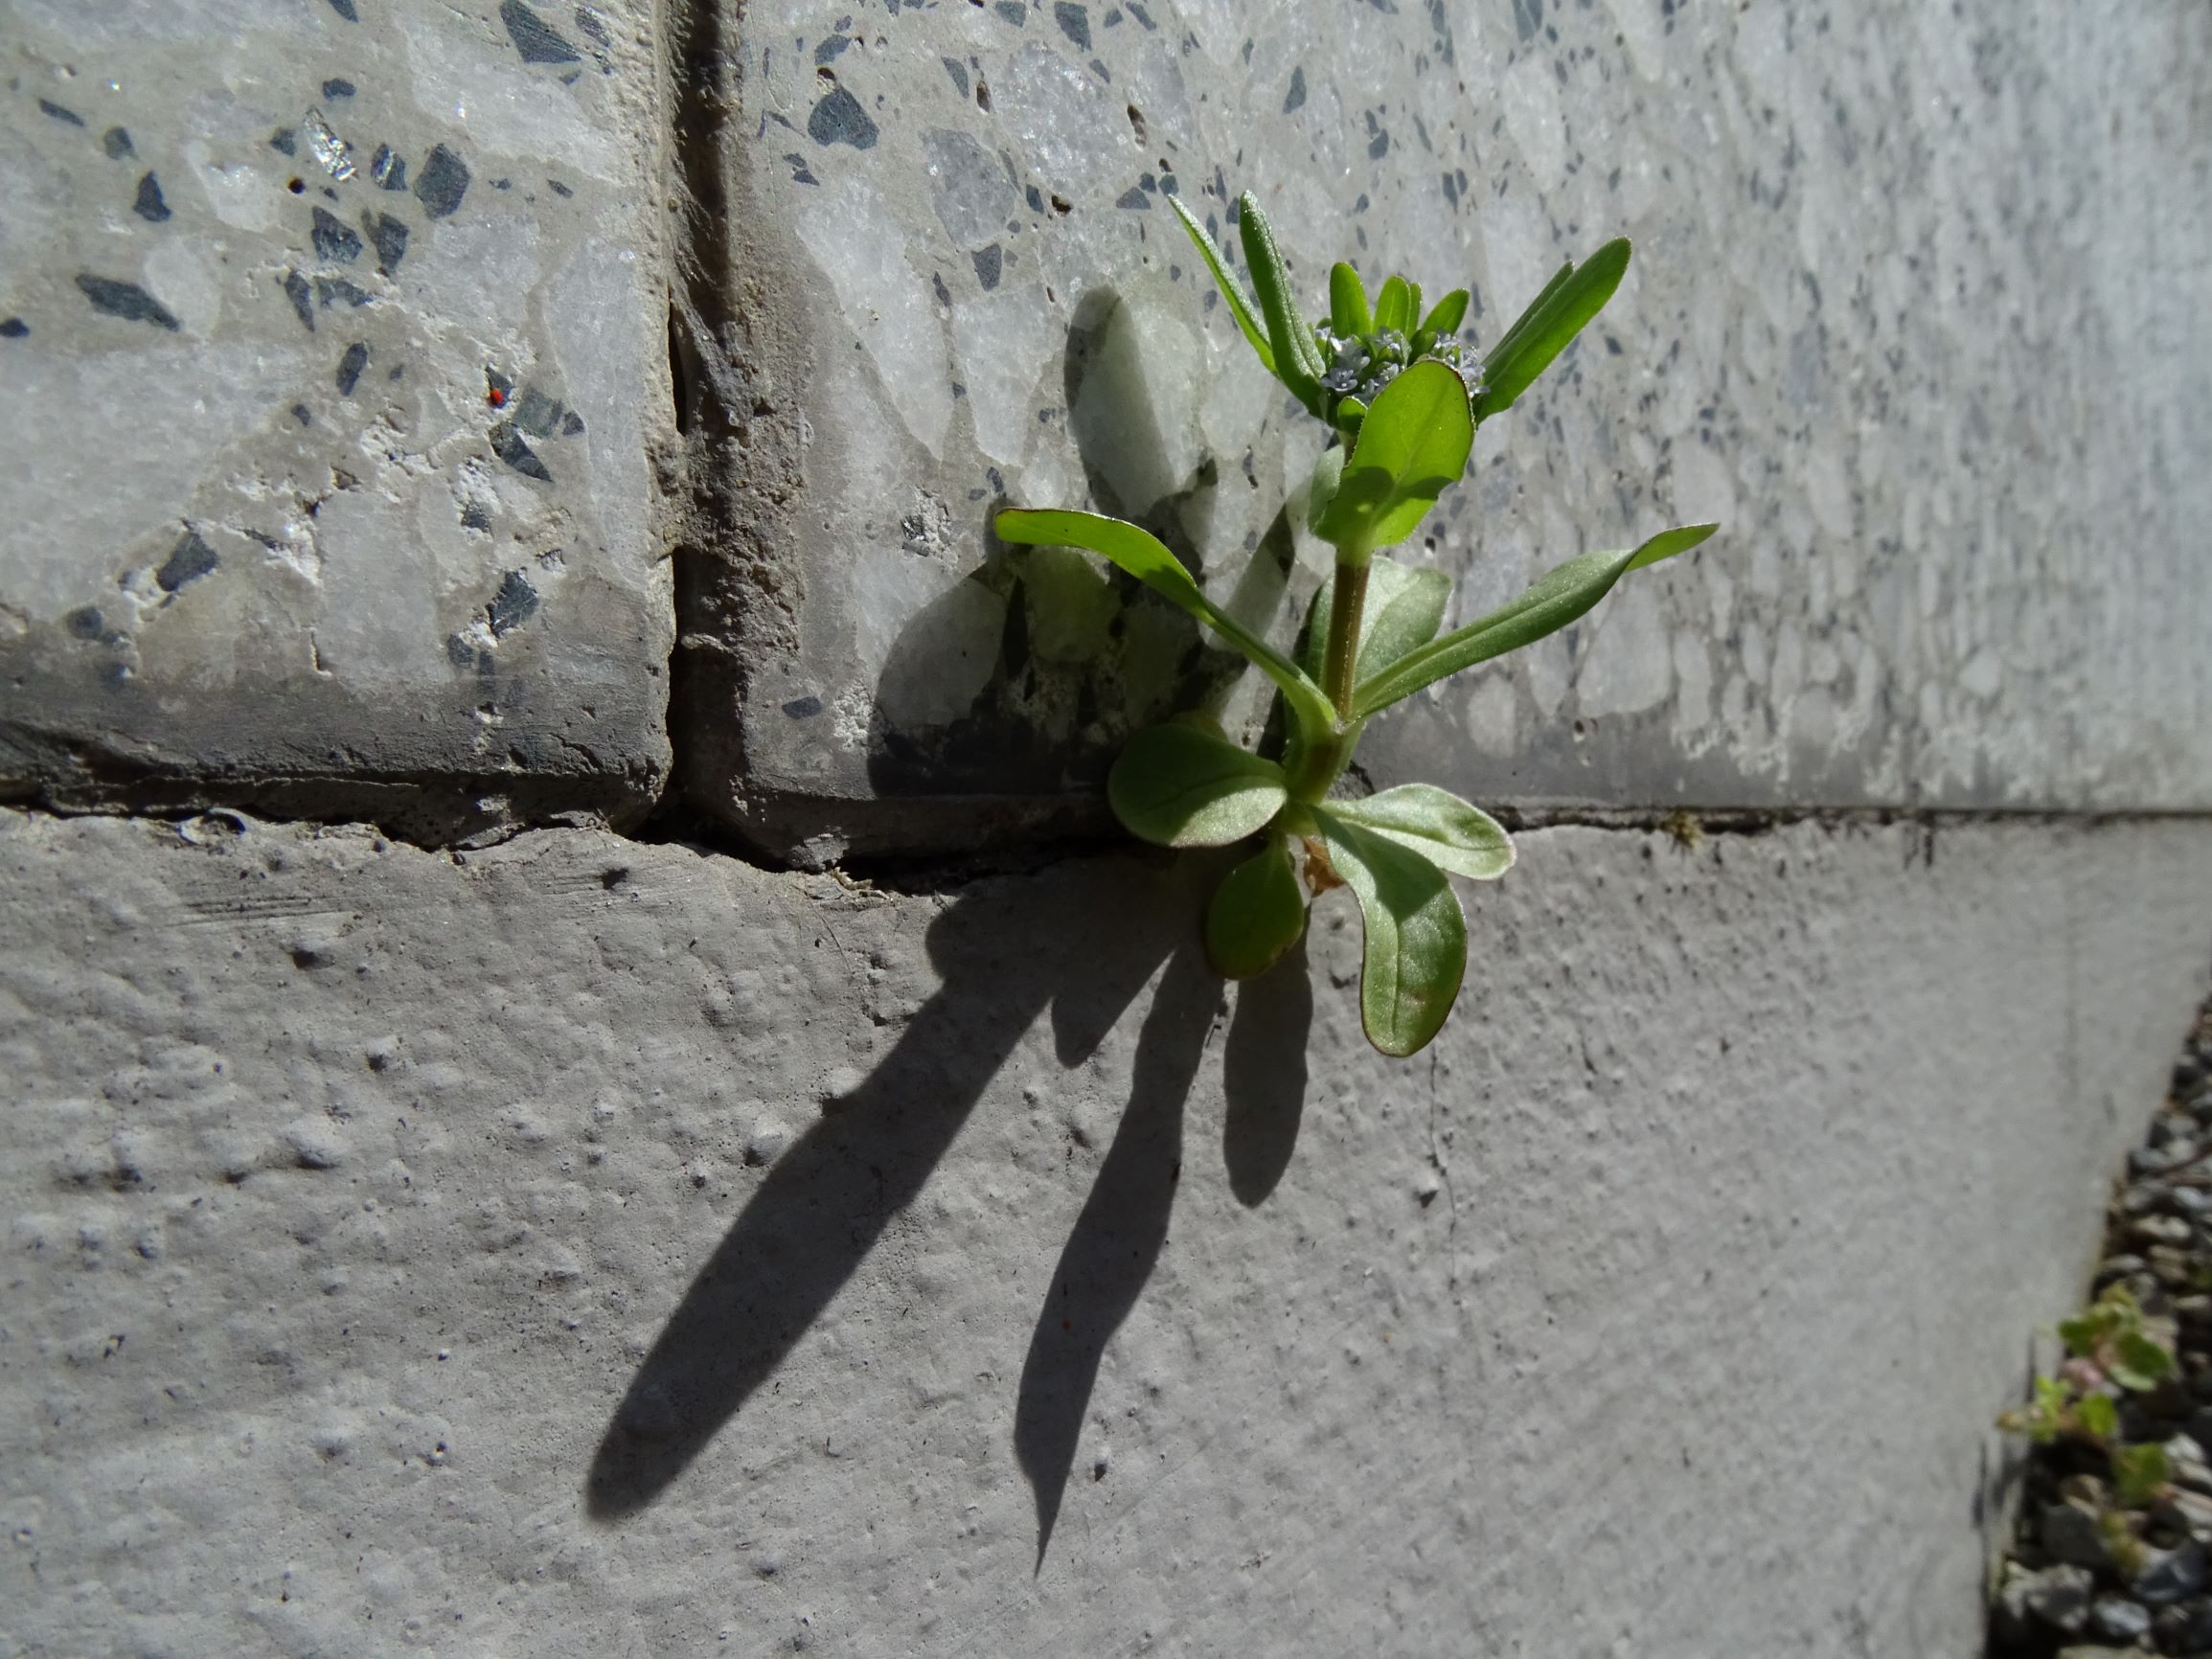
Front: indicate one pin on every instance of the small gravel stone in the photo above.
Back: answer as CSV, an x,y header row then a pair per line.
x,y
2117,1619
2079,1652
2059,1598
2162,1160
2166,1128
2171,1575
2187,1625
2113,1267
2070,1534
2186,1511
2160,1230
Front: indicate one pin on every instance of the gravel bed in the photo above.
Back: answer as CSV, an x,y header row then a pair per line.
x,y
2103,1566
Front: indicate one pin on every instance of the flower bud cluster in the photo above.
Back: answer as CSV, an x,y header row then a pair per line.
x,y
1361,365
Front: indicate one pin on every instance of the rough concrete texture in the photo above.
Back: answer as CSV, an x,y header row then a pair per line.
x,y
332,362
1919,312
587,1247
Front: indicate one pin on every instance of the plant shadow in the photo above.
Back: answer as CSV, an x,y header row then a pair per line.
x,y
1080,951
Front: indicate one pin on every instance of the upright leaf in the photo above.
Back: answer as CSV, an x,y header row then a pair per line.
x,y
1416,950
1145,556
1232,290
1394,305
1348,313
1257,913
1413,443
1182,785
1546,327
1450,834
1448,313
1554,601
1298,361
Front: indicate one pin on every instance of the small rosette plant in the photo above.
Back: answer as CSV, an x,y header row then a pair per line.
x,y
1403,398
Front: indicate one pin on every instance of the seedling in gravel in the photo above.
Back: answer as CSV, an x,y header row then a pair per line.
x,y
2113,1346
1401,397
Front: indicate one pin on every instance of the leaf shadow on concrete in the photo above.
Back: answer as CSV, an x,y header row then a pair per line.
x,y
1077,945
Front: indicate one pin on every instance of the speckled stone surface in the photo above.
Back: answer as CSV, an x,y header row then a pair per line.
x,y
1919,312
589,1248
332,363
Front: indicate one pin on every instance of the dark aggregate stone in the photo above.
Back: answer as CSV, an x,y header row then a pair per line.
x,y
60,113
387,169
125,300
509,445
839,119
150,205
187,562
537,39
334,240
389,237
349,367
2070,1534
14,329
2185,1626
116,141
442,183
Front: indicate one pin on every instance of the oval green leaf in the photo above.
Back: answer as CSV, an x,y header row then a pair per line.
x,y
1394,306
1413,445
1257,913
1452,834
1182,785
1448,313
1416,952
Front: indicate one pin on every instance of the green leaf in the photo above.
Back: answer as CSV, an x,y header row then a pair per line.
x,y
1321,489
1544,329
1416,953
1404,608
1257,913
2143,1362
1448,831
1297,360
1554,601
2139,1471
1224,279
1413,445
1182,785
1448,313
1348,313
2078,1334
2098,1415
1145,556
1394,306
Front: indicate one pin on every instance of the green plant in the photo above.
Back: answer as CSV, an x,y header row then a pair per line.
x,y
2111,1347
1403,401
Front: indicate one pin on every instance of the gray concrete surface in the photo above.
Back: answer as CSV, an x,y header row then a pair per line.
x,y
1919,312
589,1247
332,375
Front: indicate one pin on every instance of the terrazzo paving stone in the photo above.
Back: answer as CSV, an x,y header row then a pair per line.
x,y
338,365
1929,354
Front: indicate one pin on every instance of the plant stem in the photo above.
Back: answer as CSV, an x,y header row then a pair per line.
x,y
1347,602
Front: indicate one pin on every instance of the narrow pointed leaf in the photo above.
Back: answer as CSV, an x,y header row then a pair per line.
x,y
1413,443
1145,556
1448,313
1507,342
1412,304
1257,913
1416,951
1240,305
1348,313
1394,305
1298,361
1551,602
1545,329
1182,785
1450,834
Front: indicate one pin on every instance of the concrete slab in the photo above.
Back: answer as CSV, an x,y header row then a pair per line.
x,y
331,373
590,1248
1931,355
